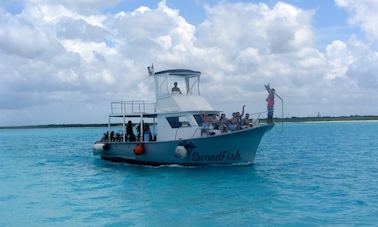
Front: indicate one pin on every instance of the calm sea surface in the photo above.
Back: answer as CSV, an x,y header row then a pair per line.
x,y
310,174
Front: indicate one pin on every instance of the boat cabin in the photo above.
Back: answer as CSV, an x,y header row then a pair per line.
x,y
176,114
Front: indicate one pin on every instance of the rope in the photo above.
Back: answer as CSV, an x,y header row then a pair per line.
x,y
195,131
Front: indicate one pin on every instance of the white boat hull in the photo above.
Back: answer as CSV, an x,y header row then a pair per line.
x,y
237,147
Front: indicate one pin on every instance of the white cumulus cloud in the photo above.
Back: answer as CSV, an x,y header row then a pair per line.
x,y
64,61
364,14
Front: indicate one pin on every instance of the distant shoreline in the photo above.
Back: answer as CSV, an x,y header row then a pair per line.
x,y
326,118
276,120
57,126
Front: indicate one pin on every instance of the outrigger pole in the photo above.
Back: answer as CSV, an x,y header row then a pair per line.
x,y
282,109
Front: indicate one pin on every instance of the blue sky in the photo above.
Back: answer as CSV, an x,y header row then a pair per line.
x,y
327,15
65,61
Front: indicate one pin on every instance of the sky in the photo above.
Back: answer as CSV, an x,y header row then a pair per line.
x,y
65,61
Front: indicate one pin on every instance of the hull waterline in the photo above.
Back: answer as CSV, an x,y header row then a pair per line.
x,y
237,147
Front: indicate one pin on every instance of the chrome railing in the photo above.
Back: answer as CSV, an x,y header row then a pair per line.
x,y
130,107
255,119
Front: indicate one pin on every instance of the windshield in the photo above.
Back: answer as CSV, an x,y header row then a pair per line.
x,y
176,85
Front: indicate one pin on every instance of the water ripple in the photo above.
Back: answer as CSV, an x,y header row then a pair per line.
x,y
311,174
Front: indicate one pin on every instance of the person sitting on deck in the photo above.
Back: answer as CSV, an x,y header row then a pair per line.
x,y
239,118
214,122
205,125
233,122
146,133
246,122
223,123
175,89
117,137
111,136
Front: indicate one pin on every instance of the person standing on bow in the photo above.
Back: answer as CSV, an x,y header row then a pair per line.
x,y
270,103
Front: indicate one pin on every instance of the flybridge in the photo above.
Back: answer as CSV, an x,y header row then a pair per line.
x,y
187,81
179,72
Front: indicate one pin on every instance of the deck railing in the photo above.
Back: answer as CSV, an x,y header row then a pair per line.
x,y
132,107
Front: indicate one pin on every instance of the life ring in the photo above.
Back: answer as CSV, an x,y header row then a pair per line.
x,y
181,152
138,149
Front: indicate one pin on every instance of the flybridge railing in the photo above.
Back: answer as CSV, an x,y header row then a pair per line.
x,y
132,107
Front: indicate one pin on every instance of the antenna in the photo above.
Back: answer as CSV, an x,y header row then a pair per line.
x,y
282,110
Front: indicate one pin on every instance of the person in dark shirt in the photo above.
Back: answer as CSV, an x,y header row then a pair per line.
x,y
129,132
175,89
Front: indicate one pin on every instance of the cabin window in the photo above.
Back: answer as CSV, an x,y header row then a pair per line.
x,y
199,118
177,122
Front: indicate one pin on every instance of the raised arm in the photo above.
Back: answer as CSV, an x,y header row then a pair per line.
x,y
270,90
242,113
267,87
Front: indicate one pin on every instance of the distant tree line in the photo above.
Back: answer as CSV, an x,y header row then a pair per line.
x,y
290,119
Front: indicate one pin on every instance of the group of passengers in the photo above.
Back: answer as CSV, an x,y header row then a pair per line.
x,y
130,136
224,124
112,136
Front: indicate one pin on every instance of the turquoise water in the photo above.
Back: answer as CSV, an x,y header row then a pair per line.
x,y
311,174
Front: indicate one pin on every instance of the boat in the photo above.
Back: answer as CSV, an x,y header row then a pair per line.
x,y
171,130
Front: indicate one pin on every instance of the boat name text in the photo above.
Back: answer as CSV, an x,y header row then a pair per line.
x,y
221,156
